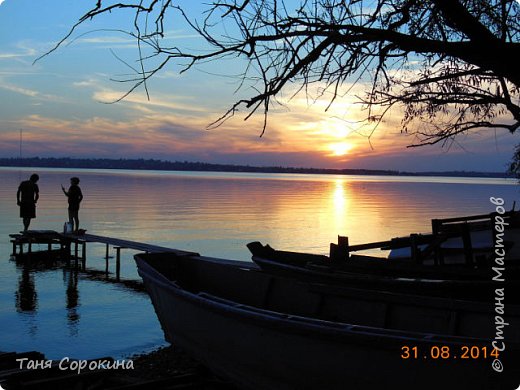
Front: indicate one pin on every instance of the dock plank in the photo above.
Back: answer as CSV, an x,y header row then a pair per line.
x,y
49,236
130,244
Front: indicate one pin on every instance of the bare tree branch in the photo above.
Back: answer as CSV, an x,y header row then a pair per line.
x,y
448,64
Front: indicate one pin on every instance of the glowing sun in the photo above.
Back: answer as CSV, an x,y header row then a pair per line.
x,y
340,148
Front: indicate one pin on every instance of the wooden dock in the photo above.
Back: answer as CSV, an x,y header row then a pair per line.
x,y
74,246
430,245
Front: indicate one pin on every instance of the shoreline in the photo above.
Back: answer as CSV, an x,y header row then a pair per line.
x,y
197,166
166,366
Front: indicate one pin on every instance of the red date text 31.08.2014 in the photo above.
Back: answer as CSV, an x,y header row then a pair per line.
x,y
444,352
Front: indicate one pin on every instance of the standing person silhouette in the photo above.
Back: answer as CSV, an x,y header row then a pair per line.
x,y
75,197
26,197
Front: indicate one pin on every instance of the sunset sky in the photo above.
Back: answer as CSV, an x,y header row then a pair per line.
x,y
60,105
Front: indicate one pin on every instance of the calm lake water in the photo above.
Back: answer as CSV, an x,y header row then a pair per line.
x,y
63,313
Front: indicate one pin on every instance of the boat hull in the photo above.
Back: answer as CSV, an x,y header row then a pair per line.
x,y
263,349
451,282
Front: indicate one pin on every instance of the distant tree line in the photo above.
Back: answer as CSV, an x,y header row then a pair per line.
x,y
164,165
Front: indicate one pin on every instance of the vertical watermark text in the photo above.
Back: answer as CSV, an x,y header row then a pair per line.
x,y
499,268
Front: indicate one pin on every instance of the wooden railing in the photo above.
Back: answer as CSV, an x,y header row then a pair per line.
x,y
442,230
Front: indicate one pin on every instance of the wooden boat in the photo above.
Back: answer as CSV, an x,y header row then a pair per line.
x,y
454,281
263,331
376,265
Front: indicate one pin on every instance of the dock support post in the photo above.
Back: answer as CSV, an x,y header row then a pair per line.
x,y
343,247
84,254
335,255
438,256
118,261
415,250
76,251
468,247
106,258
339,252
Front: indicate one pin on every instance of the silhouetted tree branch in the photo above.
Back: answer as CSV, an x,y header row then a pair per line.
x,y
514,167
450,64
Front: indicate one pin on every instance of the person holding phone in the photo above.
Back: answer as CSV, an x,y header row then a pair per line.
x,y
75,196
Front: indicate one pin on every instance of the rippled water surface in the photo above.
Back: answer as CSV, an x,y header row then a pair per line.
x,y
61,312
